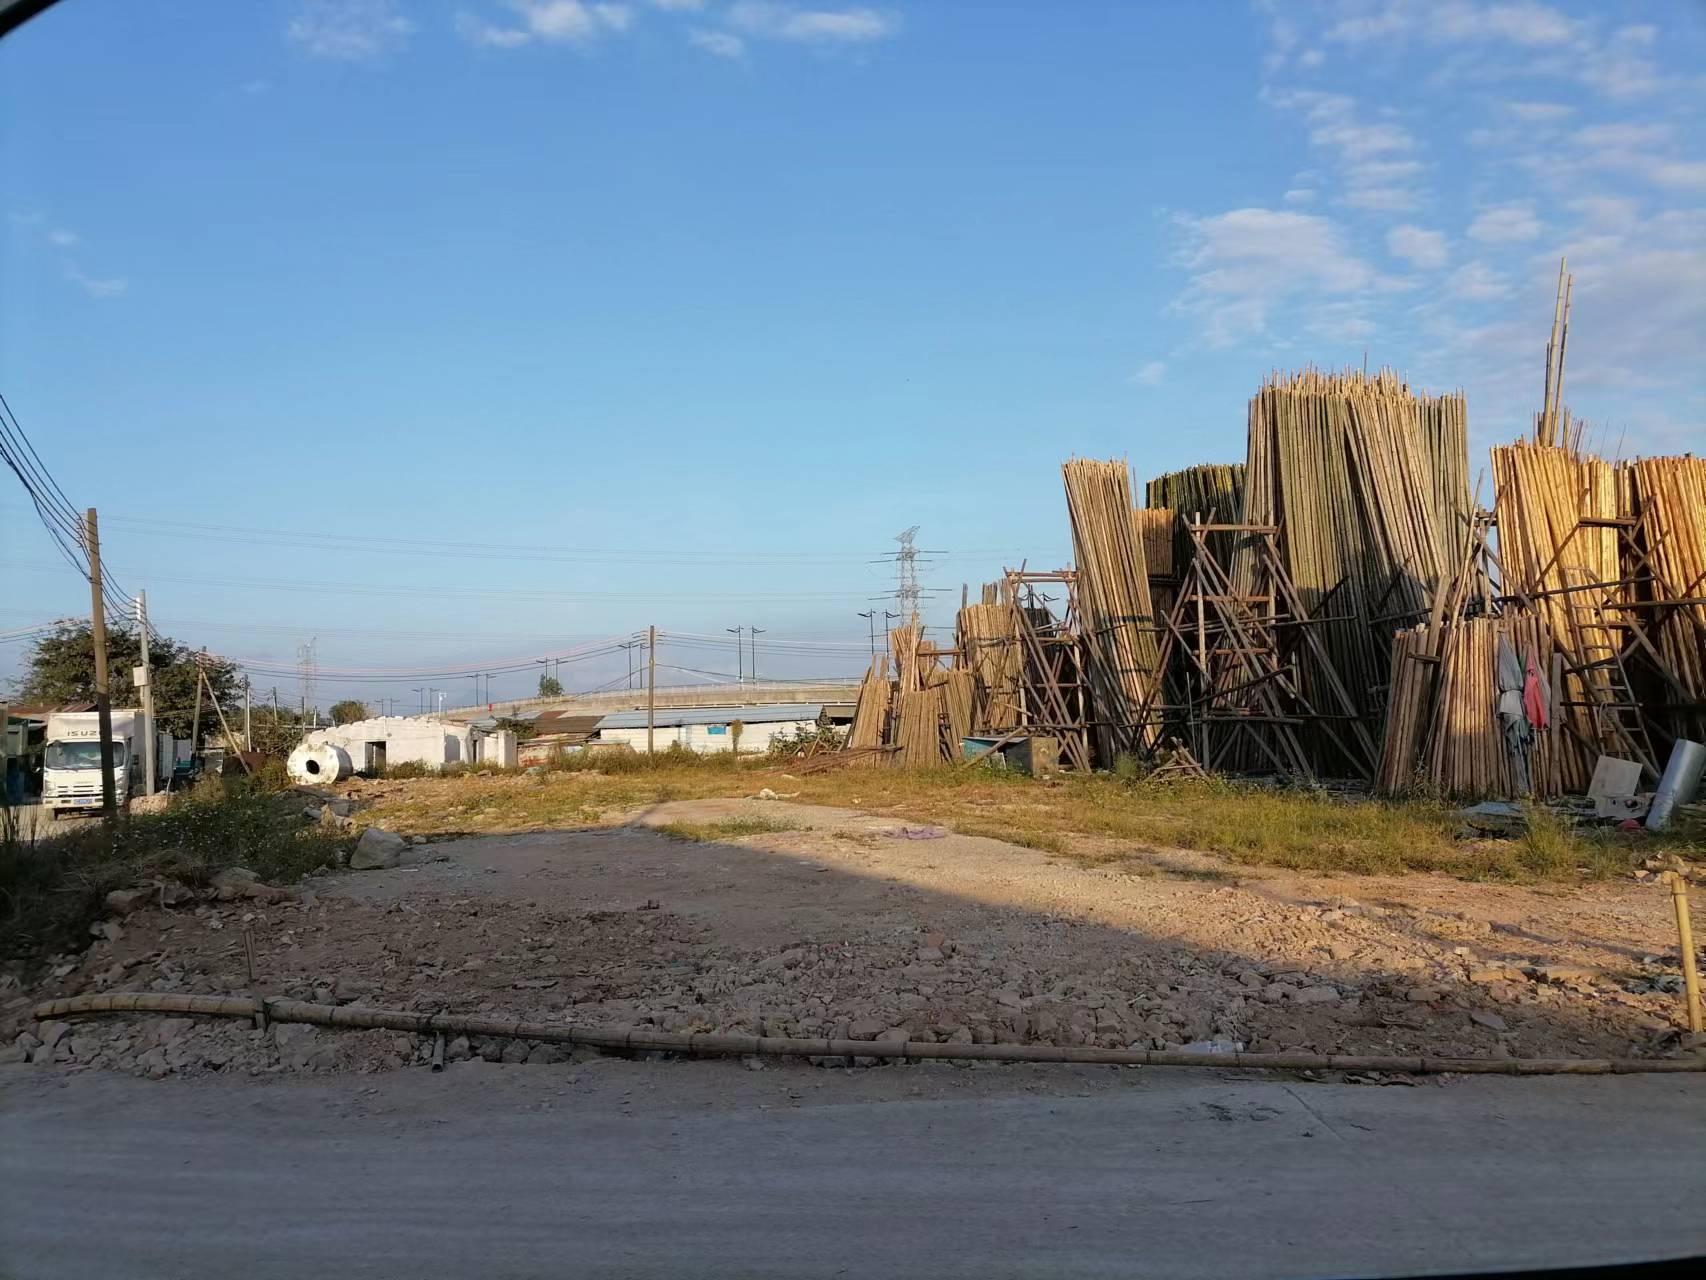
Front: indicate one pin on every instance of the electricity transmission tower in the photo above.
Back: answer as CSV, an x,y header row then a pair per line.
x,y
307,676
906,574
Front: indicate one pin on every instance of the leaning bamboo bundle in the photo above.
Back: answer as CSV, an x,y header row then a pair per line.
x,y
989,649
1118,619
1550,559
910,666
1155,528
958,688
1212,492
1407,701
1668,496
918,727
1468,756
871,713
1367,481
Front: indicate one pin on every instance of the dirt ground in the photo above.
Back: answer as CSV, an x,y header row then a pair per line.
x,y
852,924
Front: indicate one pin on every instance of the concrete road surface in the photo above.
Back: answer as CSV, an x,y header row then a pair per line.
x,y
696,1169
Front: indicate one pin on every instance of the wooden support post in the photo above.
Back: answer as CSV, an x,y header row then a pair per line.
x,y
651,689
1685,947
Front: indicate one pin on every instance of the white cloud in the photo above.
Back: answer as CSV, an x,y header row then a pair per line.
x,y
1538,112
62,238
1679,173
1247,262
1418,246
1509,223
351,30
761,18
115,288
1477,282
1605,211
1374,157
1150,374
1621,136
552,21
1456,22
719,44
1300,195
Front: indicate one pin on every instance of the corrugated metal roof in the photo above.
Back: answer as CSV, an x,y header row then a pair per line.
x,y
673,717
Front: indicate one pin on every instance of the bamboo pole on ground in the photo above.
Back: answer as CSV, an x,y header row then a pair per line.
x,y
642,1039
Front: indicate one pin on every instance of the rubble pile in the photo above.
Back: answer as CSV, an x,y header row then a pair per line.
x,y
1386,981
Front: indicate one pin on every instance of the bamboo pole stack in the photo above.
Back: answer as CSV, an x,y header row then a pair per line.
x,y
989,647
1116,615
1668,496
1548,557
871,713
1212,492
1367,481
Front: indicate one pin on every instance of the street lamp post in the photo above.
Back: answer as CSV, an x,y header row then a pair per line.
x,y
739,657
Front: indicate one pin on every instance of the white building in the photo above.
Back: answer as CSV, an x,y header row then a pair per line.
x,y
708,729
372,745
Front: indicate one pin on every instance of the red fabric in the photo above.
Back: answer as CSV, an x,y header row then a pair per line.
x,y
1536,697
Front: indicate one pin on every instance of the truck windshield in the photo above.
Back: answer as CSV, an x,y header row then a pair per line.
x,y
80,755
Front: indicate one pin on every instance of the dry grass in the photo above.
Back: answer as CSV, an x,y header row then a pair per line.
x,y
1246,825
728,829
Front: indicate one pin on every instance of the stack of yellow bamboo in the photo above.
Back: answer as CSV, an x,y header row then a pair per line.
x,y
1444,734
1212,493
918,727
871,713
1367,481
989,649
910,666
1668,495
1543,494
1119,626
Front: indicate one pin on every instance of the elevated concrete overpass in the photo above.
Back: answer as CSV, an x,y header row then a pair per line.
x,y
673,696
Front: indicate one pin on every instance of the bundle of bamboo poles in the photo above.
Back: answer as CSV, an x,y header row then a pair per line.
x,y
918,726
910,666
958,690
1668,496
1368,483
1550,559
1467,756
1443,732
1155,528
989,648
1116,615
1212,492
871,713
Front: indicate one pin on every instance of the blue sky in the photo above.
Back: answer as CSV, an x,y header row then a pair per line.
x,y
680,311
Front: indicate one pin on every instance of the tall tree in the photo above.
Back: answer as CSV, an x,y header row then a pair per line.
x,y
348,711
61,668
550,686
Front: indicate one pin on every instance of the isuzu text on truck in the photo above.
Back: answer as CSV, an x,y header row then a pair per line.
x,y
71,766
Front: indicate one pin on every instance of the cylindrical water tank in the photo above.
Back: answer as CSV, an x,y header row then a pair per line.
x,y
314,762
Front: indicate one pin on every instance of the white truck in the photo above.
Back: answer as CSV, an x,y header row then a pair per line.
x,y
71,765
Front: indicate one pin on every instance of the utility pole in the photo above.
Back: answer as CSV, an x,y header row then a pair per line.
x,y
651,689
103,689
195,720
755,634
146,686
871,617
887,618
420,696
740,673
248,719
